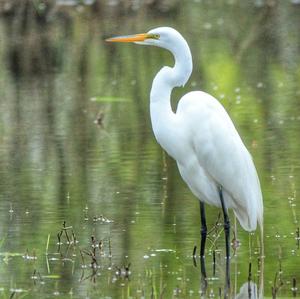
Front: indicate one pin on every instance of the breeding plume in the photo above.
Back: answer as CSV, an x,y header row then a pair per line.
x,y
211,157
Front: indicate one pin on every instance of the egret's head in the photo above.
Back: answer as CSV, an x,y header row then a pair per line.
x,y
167,38
164,37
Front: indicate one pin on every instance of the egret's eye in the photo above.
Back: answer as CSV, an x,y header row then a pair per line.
x,y
153,36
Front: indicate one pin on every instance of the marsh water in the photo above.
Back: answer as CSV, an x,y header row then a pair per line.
x,y
90,205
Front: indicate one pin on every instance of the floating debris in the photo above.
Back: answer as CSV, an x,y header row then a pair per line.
x,y
102,219
165,250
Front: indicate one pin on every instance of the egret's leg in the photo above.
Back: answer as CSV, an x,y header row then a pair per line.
x,y
202,249
227,236
203,228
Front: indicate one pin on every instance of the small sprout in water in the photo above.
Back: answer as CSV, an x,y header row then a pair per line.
x,y
294,288
64,229
109,248
298,237
75,241
34,275
127,270
93,242
100,246
194,251
59,238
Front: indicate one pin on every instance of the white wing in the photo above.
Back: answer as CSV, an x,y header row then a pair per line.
x,y
222,158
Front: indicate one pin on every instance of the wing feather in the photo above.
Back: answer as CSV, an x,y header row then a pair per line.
x,y
223,155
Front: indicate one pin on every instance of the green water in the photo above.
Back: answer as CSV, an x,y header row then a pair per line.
x,y
76,145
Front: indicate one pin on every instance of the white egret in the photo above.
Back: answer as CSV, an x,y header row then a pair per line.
x,y
200,136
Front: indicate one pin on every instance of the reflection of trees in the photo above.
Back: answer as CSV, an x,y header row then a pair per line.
x,y
32,58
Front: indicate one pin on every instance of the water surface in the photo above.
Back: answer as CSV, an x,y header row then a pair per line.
x,y
77,147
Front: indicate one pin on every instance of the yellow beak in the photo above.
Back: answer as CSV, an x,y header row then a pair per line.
x,y
128,38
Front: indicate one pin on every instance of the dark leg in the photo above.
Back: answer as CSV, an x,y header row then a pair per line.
x,y
202,249
227,236
203,228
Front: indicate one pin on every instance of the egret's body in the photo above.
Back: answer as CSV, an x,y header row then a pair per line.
x,y
209,152
201,137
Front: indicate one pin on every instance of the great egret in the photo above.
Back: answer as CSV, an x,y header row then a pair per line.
x,y
200,136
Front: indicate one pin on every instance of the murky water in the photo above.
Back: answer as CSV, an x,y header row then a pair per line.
x,y
76,147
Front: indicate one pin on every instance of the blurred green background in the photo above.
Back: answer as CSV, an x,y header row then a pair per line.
x,y
76,145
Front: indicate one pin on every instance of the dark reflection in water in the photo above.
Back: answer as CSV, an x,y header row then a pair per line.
x,y
109,179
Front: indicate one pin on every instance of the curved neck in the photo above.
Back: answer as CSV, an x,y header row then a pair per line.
x,y
183,64
162,117
167,77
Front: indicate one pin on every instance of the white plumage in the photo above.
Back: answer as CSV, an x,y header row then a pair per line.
x,y
216,156
200,136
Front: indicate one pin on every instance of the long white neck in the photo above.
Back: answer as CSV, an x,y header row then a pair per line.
x,y
164,121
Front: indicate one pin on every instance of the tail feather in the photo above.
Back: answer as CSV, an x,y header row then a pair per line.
x,y
248,223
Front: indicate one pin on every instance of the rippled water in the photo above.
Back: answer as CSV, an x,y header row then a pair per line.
x,y
82,179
